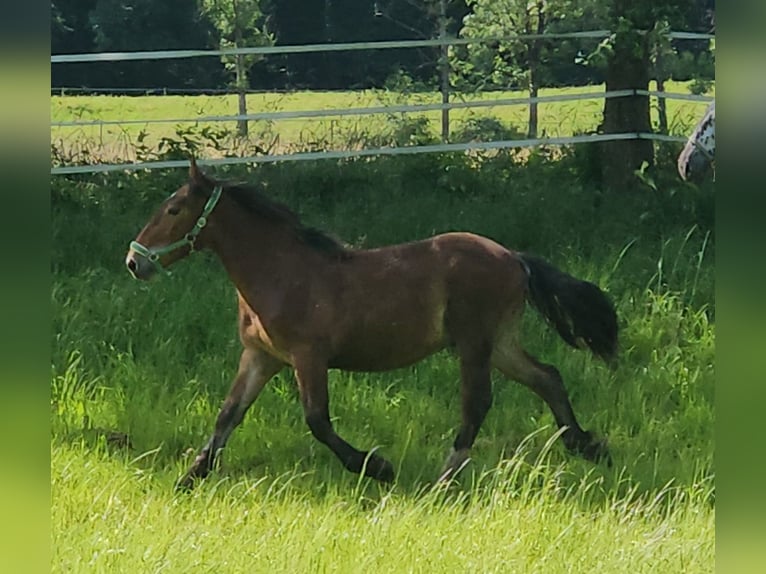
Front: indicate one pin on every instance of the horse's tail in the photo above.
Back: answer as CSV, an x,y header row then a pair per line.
x,y
577,309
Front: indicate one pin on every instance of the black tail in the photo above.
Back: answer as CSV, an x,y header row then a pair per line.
x,y
577,309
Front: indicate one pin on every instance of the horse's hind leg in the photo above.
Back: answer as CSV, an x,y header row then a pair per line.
x,y
312,381
476,400
546,382
255,370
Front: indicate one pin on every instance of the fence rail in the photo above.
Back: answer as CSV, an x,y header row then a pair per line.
x,y
403,108
339,47
345,154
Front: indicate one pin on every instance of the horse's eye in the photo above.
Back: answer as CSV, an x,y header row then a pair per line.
x,y
173,211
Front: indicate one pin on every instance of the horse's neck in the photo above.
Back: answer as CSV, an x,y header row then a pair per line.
x,y
258,255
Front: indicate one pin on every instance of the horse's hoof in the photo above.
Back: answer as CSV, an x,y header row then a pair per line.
x,y
456,461
185,484
188,481
379,469
596,451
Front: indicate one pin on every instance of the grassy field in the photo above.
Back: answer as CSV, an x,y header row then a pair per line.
x,y
140,370
122,141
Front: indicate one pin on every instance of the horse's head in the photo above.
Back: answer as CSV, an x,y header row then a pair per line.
x,y
697,157
172,231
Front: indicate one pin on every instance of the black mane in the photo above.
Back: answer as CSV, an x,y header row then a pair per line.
x,y
256,202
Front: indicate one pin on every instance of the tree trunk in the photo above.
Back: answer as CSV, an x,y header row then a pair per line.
x,y
662,107
534,51
444,69
241,95
627,69
241,74
533,90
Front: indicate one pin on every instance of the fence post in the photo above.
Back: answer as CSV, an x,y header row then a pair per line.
x,y
444,68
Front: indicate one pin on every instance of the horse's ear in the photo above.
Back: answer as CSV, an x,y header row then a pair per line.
x,y
197,178
194,172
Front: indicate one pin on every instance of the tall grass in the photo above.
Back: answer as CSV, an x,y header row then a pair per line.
x,y
140,370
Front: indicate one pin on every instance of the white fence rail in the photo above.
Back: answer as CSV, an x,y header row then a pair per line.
x,y
339,47
339,112
343,154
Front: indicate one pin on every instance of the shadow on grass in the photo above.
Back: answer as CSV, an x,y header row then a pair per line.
x,y
517,467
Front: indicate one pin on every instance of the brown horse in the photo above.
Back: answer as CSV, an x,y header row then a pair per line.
x,y
308,302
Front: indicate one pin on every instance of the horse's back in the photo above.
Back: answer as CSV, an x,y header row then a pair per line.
x,y
398,304
389,306
477,248
484,279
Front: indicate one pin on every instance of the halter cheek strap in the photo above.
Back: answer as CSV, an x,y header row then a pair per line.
x,y
153,254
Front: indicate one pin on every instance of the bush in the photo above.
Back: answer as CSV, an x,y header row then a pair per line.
x,y
485,128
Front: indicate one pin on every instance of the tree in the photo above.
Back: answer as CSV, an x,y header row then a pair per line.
x,y
437,21
70,33
130,25
508,63
628,64
70,29
240,24
661,55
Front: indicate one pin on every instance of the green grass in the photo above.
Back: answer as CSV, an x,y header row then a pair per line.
x,y
118,142
117,520
140,370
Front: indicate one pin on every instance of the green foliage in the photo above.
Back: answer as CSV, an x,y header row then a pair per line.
x,y
485,128
142,24
132,25
501,64
401,82
700,86
240,24
687,66
661,51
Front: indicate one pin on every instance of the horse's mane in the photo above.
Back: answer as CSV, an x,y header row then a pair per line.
x,y
254,201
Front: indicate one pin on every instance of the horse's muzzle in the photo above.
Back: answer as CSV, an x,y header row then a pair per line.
x,y
139,266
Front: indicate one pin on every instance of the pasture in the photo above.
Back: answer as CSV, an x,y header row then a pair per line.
x,y
139,372
141,140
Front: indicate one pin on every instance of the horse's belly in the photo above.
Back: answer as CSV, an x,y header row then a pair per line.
x,y
390,345
382,357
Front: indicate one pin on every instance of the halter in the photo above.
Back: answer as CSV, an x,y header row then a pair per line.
x,y
153,253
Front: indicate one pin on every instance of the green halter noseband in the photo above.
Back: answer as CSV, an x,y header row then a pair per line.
x,y
153,254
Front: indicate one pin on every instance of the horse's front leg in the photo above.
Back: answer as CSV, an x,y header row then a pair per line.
x,y
256,368
311,373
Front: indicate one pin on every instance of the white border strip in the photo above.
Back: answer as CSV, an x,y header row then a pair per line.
x,y
341,47
343,154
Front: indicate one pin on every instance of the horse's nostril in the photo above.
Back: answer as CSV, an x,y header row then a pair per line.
x,y
132,265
